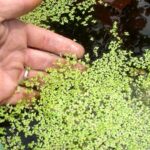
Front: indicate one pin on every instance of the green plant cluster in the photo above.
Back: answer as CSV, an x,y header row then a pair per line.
x,y
62,12
102,108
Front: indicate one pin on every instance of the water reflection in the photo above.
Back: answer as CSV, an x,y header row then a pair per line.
x,y
136,20
119,4
133,16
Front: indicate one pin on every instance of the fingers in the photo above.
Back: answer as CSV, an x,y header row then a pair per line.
x,y
25,92
34,79
21,94
34,73
40,60
10,9
49,41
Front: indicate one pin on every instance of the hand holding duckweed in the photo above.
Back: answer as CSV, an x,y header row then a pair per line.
x,y
25,45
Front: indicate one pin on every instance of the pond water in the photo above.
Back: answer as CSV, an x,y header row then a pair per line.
x,y
133,16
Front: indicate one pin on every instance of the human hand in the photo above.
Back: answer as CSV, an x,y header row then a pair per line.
x,y
25,45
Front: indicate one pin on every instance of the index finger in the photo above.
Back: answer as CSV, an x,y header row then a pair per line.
x,y
49,41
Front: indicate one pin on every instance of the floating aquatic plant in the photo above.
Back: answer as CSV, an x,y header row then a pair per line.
x,y
62,12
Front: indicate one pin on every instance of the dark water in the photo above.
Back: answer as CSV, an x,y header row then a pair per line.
x,y
136,20
133,16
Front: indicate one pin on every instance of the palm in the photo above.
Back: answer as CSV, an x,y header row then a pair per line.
x,y
12,54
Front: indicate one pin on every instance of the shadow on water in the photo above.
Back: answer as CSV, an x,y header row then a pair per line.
x,y
133,16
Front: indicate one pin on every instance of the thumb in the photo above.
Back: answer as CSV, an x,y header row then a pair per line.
x,y
10,9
